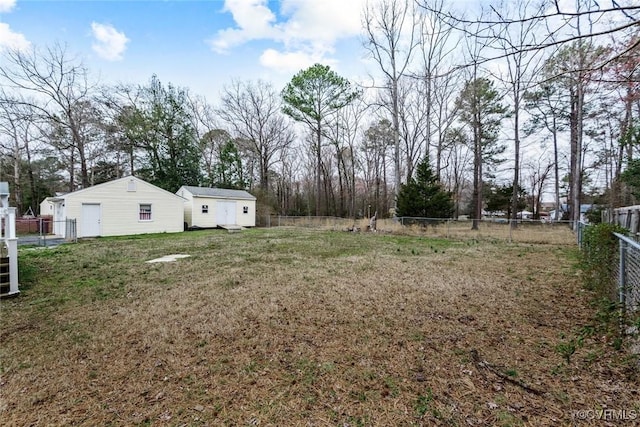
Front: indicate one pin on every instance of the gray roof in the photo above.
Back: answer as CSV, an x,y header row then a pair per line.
x,y
222,193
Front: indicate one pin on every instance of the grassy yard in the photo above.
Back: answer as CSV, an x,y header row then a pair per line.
x,y
295,327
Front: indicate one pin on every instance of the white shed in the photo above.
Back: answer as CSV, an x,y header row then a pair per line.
x,y
120,207
47,206
213,207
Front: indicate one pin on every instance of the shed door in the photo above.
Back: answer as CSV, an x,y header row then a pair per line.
x,y
225,213
90,219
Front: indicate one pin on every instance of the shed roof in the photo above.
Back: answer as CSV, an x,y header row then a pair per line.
x,y
109,183
222,193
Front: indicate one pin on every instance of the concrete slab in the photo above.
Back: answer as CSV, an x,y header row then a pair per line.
x,y
169,258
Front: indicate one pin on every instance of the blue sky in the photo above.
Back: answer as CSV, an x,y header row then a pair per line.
x,y
197,44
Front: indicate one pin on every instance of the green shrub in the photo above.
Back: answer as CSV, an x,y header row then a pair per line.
x,y
599,257
594,215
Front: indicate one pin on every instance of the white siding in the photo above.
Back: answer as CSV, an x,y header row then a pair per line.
x,y
188,215
204,220
47,207
208,220
246,219
120,208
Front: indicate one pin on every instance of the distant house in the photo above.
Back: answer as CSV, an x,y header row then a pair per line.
x,y
215,207
123,206
564,208
47,206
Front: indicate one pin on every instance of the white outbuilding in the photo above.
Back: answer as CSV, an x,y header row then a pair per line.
x,y
47,206
120,207
217,207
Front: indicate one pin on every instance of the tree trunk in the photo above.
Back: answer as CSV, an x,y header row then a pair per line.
x,y
396,136
35,198
556,169
318,166
576,150
516,158
17,188
573,139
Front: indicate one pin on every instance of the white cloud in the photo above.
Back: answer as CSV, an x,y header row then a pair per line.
x,y
308,30
110,43
7,5
321,22
290,62
254,20
12,40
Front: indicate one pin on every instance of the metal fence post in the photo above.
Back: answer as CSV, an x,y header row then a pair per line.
x,y
580,229
622,274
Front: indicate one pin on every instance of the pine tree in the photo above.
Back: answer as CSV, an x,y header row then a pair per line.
x,y
423,196
481,111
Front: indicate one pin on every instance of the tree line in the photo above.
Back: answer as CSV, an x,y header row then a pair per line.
x,y
521,101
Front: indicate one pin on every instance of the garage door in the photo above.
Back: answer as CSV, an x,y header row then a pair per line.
x,y
225,213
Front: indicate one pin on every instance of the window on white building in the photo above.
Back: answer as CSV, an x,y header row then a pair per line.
x,y
205,209
145,212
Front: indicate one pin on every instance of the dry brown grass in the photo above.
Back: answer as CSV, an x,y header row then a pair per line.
x,y
525,232
302,327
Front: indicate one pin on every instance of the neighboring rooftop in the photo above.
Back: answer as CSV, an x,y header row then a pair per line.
x,y
219,192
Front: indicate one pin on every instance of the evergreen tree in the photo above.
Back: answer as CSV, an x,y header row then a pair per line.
x,y
481,111
631,177
312,97
162,127
228,170
423,196
500,198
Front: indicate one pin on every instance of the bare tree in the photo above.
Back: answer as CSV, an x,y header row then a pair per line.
x,y
435,45
16,133
414,122
390,31
253,112
539,169
546,109
517,78
561,21
457,159
571,63
61,93
211,144
623,77
378,140
121,105
209,134
344,136
444,116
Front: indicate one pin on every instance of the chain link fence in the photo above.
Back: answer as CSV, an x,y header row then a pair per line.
x,y
626,273
44,231
529,231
